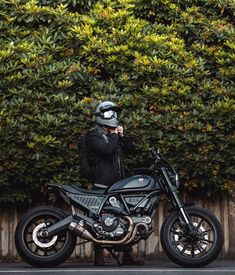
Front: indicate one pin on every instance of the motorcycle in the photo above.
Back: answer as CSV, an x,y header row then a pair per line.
x,y
119,217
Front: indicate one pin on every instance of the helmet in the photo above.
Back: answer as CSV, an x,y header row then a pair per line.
x,y
106,114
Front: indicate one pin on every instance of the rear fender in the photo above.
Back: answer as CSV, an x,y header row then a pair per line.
x,y
57,189
54,187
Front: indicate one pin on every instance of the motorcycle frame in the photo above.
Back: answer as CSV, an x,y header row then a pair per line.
x,y
168,188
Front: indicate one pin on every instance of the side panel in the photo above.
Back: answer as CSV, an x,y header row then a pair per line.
x,y
145,202
88,202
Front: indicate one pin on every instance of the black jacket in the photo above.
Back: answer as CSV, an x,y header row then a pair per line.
x,y
104,155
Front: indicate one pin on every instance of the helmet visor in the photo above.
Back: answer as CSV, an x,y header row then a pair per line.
x,y
109,114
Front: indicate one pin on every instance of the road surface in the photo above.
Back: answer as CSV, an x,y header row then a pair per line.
x,y
157,267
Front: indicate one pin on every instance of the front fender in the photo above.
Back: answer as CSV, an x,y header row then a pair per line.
x,y
171,208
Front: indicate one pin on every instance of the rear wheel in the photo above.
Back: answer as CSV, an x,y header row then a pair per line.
x,y
34,247
197,248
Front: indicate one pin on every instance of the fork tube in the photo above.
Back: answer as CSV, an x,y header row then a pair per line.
x,y
176,197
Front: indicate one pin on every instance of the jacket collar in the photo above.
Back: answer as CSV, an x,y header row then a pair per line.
x,y
101,129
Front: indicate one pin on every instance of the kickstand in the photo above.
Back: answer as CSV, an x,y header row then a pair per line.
x,y
114,256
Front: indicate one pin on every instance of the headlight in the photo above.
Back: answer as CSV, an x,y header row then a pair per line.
x,y
174,178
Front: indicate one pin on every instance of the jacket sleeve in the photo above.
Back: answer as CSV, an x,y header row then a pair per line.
x,y
127,145
101,145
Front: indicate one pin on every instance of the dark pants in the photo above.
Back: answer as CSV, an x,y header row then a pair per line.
x,y
99,250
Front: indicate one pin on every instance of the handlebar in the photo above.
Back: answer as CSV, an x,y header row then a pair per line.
x,y
157,156
154,154
160,162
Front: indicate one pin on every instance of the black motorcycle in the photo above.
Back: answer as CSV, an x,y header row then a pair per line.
x,y
119,217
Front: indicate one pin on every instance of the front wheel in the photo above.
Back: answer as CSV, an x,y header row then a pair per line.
x,y
196,248
43,251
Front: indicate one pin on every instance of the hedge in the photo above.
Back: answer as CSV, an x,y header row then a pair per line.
x,y
169,64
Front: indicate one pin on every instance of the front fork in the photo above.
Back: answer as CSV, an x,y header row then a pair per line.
x,y
180,207
184,217
178,204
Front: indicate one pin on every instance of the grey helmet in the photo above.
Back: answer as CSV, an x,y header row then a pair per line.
x,y
107,114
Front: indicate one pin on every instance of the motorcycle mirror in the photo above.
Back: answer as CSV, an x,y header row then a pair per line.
x,y
152,152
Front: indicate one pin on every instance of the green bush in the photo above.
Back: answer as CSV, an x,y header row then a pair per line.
x,y
168,64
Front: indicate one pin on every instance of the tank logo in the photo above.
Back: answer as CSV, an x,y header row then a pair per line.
x,y
141,180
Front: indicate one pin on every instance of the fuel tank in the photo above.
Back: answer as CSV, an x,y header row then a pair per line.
x,y
134,184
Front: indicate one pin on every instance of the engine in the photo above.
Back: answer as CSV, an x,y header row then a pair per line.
x,y
110,226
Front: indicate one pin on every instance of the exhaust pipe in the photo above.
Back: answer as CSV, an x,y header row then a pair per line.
x,y
136,230
83,233
80,231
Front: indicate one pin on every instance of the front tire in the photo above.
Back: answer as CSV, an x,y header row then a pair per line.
x,y
195,250
43,252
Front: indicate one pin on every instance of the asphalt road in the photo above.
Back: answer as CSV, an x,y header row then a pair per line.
x,y
220,267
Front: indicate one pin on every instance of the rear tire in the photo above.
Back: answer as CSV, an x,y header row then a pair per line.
x,y
43,252
196,251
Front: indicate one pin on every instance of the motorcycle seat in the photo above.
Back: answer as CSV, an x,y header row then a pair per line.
x,y
76,189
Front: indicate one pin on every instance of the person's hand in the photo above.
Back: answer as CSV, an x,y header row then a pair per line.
x,y
120,131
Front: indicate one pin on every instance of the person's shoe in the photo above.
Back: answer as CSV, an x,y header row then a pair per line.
x,y
99,262
130,259
99,258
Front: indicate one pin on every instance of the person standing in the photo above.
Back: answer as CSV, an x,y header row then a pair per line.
x,y
105,142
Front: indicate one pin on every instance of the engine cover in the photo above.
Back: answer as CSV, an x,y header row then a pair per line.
x,y
109,222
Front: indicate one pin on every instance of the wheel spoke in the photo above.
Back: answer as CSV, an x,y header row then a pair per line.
x,y
175,231
176,242
192,251
179,241
45,252
36,250
54,248
29,242
179,225
199,224
206,231
60,241
199,247
36,223
183,250
205,240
